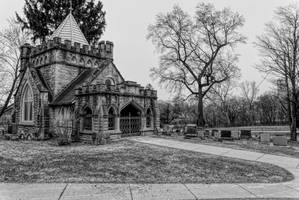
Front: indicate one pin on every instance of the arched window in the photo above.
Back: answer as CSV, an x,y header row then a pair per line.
x,y
89,63
109,82
87,119
27,104
111,119
148,118
74,60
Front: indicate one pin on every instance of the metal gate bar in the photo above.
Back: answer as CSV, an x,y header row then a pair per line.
x,y
130,126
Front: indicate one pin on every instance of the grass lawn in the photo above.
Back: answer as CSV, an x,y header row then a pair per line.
x,y
292,150
125,162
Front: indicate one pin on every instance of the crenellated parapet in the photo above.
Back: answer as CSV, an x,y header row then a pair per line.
x,y
122,89
104,49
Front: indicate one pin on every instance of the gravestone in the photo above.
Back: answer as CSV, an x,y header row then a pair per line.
x,y
245,134
191,132
280,140
207,133
214,132
265,137
235,135
201,134
226,135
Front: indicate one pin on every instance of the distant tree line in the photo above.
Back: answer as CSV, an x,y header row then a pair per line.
x,y
224,109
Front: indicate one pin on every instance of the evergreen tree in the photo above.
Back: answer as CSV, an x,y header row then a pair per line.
x,y
43,17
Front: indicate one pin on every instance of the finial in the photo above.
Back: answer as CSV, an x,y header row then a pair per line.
x,y
71,6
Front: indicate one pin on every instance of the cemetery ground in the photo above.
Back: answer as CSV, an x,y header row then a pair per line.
x,y
125,161
291,150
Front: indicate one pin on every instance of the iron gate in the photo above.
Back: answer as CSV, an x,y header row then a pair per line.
x,y
130,126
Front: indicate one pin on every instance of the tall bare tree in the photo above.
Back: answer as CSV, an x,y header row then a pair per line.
x,y
11,39
196,54
279,51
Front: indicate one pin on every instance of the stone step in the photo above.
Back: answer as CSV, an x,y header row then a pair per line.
x,y
86,137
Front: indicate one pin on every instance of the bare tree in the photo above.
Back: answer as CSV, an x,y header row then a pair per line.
x,y
279,51
220,95
196,54
267,107
249,92
11,39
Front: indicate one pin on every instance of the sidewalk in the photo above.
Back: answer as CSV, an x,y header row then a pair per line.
x,y
165,191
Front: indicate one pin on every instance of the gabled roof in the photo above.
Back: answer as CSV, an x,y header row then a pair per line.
x,y
69,30
67,95
38,80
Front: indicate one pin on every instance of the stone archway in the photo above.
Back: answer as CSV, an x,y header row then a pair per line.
x,y
130,120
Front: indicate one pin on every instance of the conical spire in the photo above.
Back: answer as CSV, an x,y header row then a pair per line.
x,y
69,30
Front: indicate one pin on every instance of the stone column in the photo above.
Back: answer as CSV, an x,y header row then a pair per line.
x,y
143,124
117,123
95,123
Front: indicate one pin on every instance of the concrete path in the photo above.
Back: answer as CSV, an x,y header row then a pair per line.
x,y
165,191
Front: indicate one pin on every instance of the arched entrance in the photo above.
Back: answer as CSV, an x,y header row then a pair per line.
x,y
87,119
130,120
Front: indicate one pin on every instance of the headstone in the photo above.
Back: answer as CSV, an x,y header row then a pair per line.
x,y
265,137
207,133
235,135
280,140
245,134
201,134
191,131
217,135
226,134
214,131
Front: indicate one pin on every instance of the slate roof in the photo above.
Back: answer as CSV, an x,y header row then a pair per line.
x,y
69,30
67,95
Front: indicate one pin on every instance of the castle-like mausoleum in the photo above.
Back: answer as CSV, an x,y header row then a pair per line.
x,y
68,80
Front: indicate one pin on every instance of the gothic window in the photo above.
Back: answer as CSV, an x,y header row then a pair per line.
x,y
27,106
74,60
82,61
111,119
88,63
96,64
109,82
87,119
148,118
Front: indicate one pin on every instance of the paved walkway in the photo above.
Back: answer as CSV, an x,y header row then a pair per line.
x,y
165,191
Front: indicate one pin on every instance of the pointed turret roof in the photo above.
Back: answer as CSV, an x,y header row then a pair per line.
x,y
69,30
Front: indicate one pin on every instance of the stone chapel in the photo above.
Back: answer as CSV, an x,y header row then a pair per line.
x,y
66,80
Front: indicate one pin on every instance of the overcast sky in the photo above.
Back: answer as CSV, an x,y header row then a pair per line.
x,y
127,23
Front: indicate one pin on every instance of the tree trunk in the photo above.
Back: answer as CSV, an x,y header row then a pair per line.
x,y
200,117
8,97
294,112
288,101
